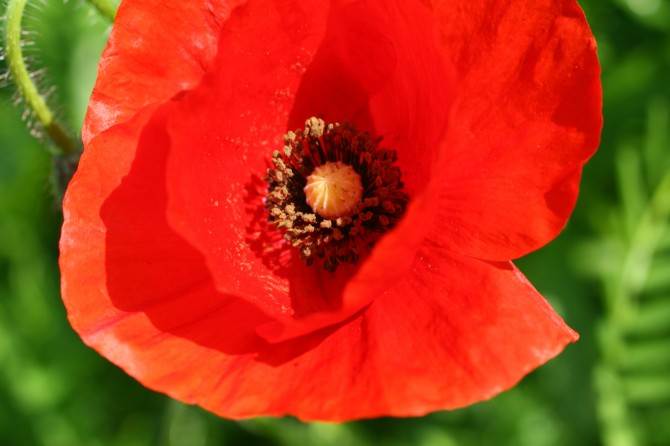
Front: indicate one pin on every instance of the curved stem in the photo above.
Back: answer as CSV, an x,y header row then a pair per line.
x,y
25,84
106,8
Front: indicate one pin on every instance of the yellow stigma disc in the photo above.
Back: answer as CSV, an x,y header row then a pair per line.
x,y
333,190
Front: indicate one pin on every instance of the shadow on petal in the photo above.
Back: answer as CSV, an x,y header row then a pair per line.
x,y
153,270
353,62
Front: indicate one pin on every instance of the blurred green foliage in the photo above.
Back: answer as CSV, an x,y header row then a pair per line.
x,y
608,274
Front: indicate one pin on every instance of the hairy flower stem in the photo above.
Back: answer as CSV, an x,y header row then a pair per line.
x,y
25,85
105,7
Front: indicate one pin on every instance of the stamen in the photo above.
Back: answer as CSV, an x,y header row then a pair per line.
x,y
333,192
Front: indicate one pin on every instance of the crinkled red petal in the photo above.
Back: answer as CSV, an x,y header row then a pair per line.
x,y
346,63
525,120
156,49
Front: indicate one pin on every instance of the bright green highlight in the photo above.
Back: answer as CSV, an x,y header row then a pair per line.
x,y
25,85
106,8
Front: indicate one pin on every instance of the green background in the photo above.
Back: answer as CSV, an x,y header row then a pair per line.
x,y
608,274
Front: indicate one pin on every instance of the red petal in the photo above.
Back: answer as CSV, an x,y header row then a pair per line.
x,y
155,50
379,67
411,109
130,284
117,252
225,131
526,118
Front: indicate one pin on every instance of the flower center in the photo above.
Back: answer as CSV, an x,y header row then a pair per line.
x,y
333,192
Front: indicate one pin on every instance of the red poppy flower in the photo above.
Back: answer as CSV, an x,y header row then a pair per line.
x,y
172,270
